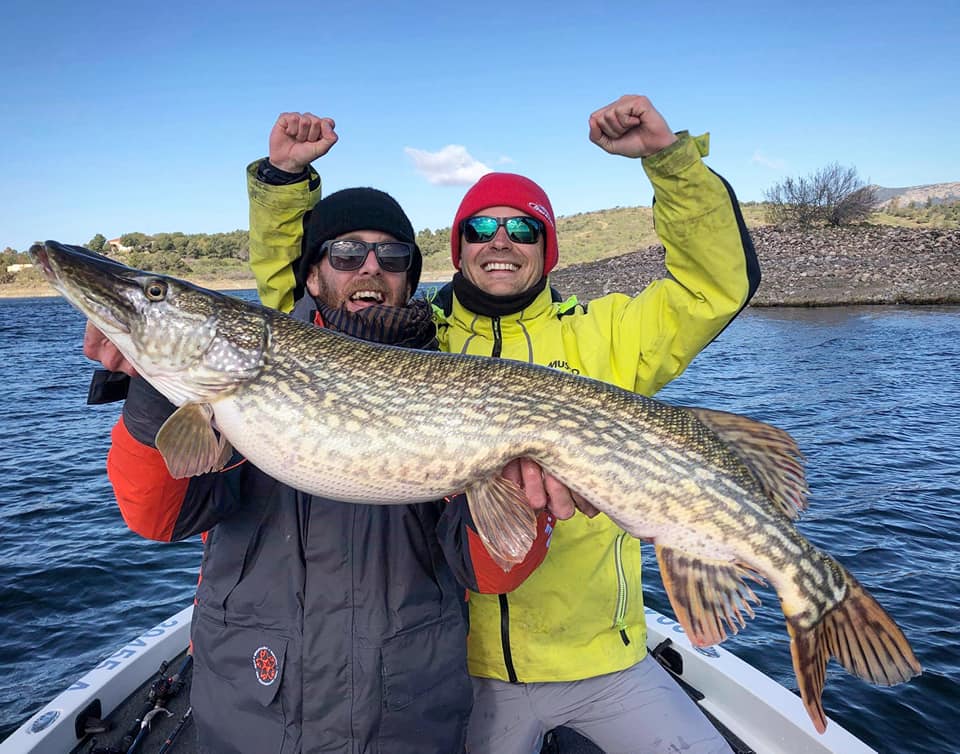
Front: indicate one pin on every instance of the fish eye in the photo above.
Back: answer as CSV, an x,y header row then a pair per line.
x,y
155,290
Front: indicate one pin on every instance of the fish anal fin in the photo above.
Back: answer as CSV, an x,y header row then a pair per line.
x,y
863,638
709,597
188,443
810,657
770,453
506,524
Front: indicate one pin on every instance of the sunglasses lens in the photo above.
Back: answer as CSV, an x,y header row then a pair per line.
x,y
347,255
519,229
522,229
394,257
479,229
350,255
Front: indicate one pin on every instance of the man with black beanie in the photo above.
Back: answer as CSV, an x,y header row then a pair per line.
x,y
320,626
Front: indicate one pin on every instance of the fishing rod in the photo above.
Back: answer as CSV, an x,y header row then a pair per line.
x,y
160,692
176,731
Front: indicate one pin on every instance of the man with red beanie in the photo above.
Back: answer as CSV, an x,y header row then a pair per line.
x,y
568,646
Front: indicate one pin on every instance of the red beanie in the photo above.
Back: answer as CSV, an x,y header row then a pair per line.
x,y
508,190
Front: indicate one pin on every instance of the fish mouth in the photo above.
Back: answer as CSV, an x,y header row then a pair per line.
x,y
78,275
40,256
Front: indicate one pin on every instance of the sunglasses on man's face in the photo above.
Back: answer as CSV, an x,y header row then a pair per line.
x,y
481,228
346,255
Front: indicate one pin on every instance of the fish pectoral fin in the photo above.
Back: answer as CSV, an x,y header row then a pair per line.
x,y
506,524
863,638
189,445
770,453
708,596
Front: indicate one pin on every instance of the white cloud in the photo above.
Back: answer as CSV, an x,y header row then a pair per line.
x,y
451,166
768,162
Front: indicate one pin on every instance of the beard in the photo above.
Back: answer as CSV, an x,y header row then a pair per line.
x,y
337,296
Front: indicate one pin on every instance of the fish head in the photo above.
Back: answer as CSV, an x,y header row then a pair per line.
x,y
189,343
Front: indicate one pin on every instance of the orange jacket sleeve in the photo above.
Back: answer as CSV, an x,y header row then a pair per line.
x,y
149,498
491,578
469,559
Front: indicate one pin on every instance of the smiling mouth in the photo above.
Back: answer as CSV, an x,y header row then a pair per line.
x,y
367,297
500,266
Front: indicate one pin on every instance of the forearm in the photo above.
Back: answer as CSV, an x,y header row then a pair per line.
x,y
697,217
713,270
276,234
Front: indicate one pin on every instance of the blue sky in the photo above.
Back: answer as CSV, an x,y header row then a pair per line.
x,y
121,117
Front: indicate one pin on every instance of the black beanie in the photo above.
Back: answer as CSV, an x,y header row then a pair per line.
x,y
357,209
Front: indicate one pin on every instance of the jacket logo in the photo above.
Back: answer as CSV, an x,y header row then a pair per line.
x,y
265,665
558,364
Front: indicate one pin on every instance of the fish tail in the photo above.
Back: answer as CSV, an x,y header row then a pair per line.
x,y
860,635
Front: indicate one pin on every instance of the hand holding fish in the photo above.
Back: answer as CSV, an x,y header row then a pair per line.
x,y
297,139
97,347
630,127
546,491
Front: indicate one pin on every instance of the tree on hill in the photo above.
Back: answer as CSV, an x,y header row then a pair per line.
x,y
834,195
97,242
135,240
433,242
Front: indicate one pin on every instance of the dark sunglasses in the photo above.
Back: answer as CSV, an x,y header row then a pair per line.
x,y
481,229
345,255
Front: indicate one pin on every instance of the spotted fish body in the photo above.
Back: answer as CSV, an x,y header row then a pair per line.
x,y
354,421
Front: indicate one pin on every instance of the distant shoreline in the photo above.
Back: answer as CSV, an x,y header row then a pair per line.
x,y
848,266
46,291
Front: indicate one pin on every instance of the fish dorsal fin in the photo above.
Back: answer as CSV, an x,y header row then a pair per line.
x,y
708,596
189,445
507,525
770,453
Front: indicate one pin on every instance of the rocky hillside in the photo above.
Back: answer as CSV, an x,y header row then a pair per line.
x,y
935,193
817,267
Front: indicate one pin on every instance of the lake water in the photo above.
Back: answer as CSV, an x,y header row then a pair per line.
x,y
872,395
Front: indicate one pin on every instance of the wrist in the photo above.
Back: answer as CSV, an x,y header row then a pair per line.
x,y
666,141
281,175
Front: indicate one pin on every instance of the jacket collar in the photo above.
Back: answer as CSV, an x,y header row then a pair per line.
x,y
478,324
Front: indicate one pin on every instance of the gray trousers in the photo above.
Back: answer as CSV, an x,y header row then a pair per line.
x,y
640,710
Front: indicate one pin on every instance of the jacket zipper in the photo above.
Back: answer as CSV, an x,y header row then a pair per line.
x,y
622,595
497,338
504,604
505,638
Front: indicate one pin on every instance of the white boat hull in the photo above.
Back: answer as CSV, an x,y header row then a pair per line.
x,y
54,728
762,713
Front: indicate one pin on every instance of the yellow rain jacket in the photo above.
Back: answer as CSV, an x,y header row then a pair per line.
x,y
580,614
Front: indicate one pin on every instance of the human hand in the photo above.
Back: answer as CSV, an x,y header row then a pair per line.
x,y
630,127
97,347
297,139
546,491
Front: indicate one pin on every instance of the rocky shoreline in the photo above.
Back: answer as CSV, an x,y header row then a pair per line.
x,y
856,265
869,264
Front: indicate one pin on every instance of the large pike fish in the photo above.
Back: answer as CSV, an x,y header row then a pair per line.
x,y
717,493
